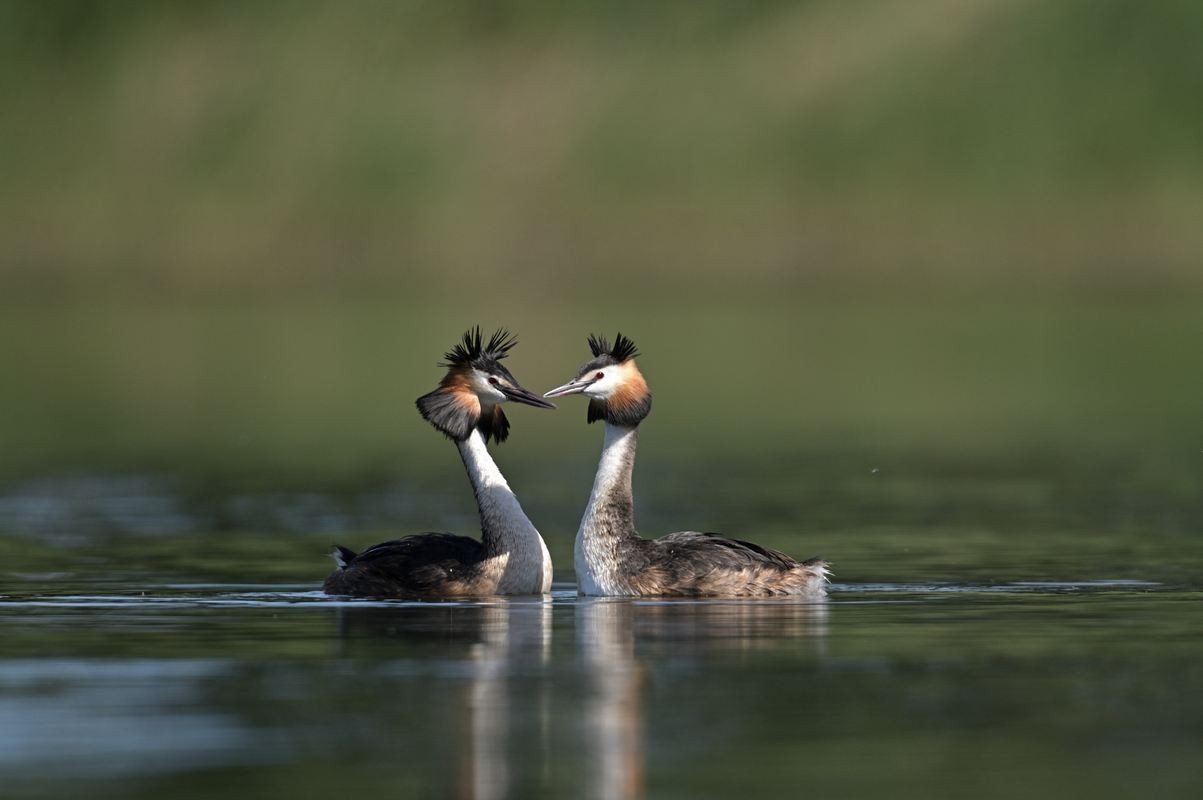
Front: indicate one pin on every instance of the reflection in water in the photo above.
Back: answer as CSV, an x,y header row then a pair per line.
x,y
611,635
162,696
513,635
512,721
280,695
692,627
613,713
498,645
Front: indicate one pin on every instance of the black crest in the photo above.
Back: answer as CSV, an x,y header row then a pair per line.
x,y
473,351
622,350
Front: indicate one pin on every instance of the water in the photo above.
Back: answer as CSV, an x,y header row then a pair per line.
x,y
1011,501
948,690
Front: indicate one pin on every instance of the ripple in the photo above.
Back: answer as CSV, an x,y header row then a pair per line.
x,y
215,595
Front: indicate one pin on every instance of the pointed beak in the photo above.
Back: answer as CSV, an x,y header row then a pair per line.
x,y
572,387
519,395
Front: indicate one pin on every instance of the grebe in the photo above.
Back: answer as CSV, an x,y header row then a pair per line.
x,y
512,558
610,556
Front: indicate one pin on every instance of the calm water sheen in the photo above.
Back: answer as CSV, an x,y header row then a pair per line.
x,y
1037,689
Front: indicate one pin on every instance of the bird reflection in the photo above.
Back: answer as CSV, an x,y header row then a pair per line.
x,y
619,638
613,713
506,713
514,635
499,732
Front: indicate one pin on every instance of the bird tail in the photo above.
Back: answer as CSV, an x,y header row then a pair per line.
x,y
819,566
342,556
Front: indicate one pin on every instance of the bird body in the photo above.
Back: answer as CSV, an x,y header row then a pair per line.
x,y
511,557
611,558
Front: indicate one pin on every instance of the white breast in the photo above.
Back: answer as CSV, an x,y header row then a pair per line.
x,y
596,566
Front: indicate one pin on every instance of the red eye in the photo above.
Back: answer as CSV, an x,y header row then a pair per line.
x,y
492,380
599,376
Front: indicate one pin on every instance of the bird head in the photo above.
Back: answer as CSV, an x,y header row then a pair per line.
x,y
470,395
616,389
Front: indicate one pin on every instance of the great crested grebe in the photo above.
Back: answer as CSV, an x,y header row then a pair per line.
x,y
512,558
610,556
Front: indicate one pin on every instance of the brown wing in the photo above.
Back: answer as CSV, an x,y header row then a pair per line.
x,y
689,563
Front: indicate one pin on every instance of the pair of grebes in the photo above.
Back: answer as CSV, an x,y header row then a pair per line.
x,y
611,558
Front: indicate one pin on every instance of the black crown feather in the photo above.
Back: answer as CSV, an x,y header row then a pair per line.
x,y
622,350
472,349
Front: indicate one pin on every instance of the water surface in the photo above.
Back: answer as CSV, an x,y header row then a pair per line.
x,y
277,691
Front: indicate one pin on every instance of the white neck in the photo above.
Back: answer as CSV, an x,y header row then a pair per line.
x,y
506,530
609,518
613,479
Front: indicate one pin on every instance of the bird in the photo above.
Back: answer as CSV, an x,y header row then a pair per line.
x,y
511,557
610,556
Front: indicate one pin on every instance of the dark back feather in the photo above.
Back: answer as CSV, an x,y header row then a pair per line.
x,y
414,566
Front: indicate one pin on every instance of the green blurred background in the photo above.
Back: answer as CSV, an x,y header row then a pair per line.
x,y
879,250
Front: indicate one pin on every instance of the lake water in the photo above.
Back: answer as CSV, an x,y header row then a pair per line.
x,y
1011,501
947,690
115,684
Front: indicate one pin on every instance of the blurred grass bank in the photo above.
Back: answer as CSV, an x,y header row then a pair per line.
x,y
683,151
237,236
